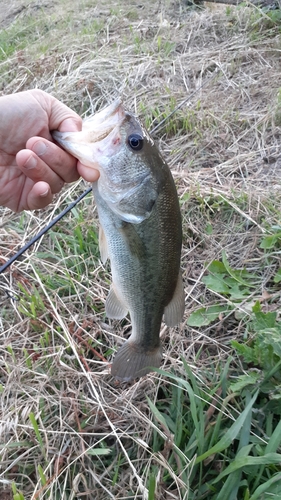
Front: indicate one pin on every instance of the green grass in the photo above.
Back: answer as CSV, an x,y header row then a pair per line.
x,y
203,439
16,38
207,425
215,433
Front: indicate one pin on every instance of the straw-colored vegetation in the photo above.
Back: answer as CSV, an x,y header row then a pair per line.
x,y
208,426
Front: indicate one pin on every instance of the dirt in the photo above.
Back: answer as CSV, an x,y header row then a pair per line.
x,y
6,495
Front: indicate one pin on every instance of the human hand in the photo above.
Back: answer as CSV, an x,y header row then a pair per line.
x,y
32,166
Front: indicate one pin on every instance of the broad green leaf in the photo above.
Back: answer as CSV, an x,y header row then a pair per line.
x,y
275,439
206,315
264,320
277,277
244,350
217,267
216,283
256,307
236,275
244,380
238,293
270,241
271,338
231,485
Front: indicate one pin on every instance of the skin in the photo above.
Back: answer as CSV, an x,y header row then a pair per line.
x,y
32,166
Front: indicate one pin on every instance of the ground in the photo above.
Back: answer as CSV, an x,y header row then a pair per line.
x,y
68,429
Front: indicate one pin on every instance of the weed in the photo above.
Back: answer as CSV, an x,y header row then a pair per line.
x,y
263,20
16,494
192,421
18,35
236,285
208,426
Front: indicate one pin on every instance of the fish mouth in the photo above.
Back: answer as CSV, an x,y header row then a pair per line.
x,y
100,135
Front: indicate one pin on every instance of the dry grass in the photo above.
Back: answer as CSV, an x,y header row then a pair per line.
x,y
224,150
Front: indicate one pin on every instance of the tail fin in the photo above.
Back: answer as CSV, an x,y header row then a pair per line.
x,y
132,361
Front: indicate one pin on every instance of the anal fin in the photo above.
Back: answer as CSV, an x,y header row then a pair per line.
x,y
174,311
114,307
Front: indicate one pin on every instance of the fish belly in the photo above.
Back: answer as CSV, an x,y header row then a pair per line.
x,y
145,261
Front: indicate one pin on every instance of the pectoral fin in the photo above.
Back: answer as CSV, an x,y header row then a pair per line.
x,y
174,311
103,245
114,307
132,239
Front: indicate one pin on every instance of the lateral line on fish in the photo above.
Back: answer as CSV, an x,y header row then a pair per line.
x,y
41,233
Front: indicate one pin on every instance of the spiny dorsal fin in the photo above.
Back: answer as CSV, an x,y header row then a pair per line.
x,y
174,311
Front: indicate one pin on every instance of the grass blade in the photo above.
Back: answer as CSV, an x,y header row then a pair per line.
x,y
265,486
231,434
242,462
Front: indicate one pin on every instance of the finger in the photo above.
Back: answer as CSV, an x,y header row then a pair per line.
x,y
61,162
59,115
54,163
89,174
71,125
37,170
63,118
39,197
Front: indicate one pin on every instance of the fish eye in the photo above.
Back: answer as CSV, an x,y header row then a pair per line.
x,y
135,141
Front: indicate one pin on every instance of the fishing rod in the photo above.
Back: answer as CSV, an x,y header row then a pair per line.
x,y
44,230
74,203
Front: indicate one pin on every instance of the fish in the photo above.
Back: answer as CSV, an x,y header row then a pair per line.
x,y
140,231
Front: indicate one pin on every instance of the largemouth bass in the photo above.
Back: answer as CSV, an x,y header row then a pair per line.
x,y
140,231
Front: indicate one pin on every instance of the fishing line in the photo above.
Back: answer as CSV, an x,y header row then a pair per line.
x,y
74,203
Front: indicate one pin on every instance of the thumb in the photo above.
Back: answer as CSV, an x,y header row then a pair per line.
x,y
72,124
63,118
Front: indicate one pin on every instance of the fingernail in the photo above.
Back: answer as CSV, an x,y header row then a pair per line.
x,y
39,148
31,162
43,195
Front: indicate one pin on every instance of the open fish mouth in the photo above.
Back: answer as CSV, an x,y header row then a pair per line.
x,y
100,135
